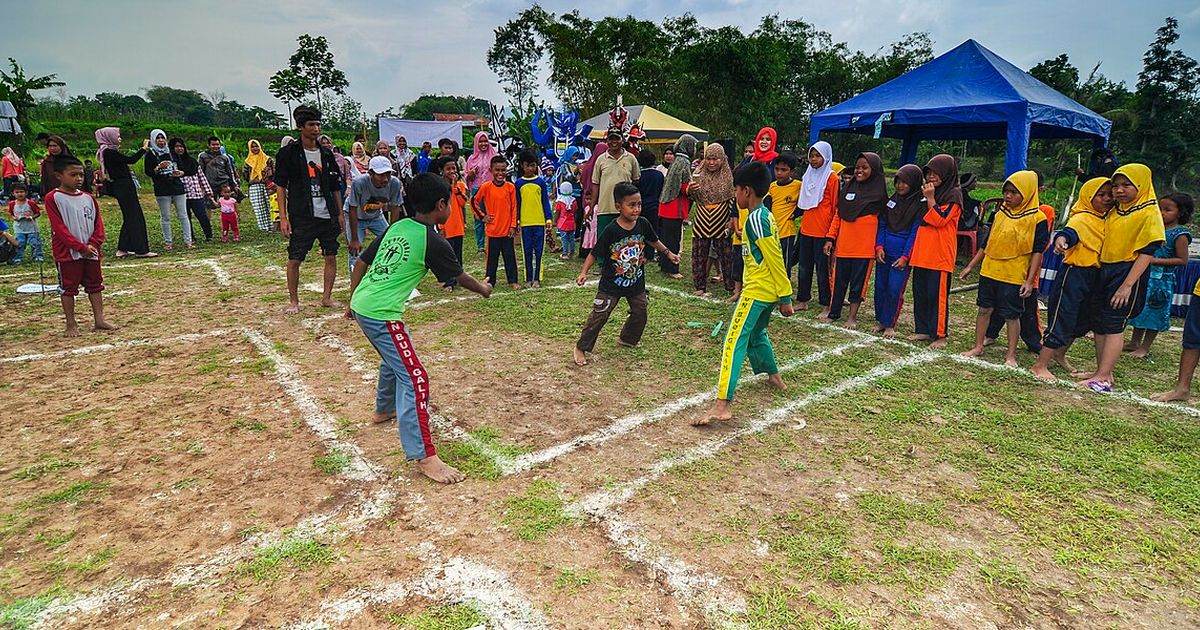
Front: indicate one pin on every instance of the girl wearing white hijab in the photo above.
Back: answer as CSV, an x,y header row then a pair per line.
x,y
169,191
818,203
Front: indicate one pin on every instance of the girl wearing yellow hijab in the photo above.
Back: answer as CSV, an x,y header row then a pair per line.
x,y
256,170
1079,277
1133,231
1012,257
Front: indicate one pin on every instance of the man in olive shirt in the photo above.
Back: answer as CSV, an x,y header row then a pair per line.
x,y
615,166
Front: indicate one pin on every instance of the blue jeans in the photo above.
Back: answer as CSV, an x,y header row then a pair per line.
x,y
34,240
378,226
403,385
568,242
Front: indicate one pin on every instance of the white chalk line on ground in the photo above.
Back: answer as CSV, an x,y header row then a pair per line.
x,y
701,589
454,580
1126,396
105,347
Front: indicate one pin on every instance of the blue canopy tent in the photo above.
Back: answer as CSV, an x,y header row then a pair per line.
x,y
968,93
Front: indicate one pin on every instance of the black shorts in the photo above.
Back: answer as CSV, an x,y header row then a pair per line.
x,y
1003,297
1191,325
1107,320
305,230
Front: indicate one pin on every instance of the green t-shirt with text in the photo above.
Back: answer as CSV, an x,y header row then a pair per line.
x,y
396,263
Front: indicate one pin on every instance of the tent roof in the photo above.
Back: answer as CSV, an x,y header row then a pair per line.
x,y
657,125
968,92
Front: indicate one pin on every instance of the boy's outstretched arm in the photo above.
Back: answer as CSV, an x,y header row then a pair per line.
x,y
468,282
583,273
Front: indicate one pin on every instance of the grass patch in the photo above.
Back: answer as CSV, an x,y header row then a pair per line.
x,y
72,418
43,468
472,459
571,580
21,614
537,512
54,538
447,617
248,425
333,462
87,565
73,494
300,553
1001,573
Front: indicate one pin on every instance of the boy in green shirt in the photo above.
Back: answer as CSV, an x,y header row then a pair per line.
x,y
380,285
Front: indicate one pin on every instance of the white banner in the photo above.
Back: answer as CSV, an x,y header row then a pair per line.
x,y
417,132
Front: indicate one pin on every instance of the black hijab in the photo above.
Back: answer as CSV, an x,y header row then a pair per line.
x,y
903,210
864,198
947,169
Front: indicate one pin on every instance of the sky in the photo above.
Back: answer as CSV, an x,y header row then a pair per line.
x,y
392,52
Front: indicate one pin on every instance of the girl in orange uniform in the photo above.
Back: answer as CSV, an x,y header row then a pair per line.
x,y
852,235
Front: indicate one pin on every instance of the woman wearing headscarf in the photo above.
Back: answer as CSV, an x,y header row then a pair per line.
x,y
342,162
55,146
764,146
164,172
12,168
852,234
255,171
478,172
1133,231
1102,163
673,203
933,250
819,188
196,189
895,235
120,184
711,191
359,160
402,160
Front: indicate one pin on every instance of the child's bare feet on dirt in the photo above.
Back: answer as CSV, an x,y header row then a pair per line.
x,y
580,357
71,331
721,411
104,325
776,382
851,324
328,302
437,470
938,344
293,308
1172,395
1043,374
973,352
385,416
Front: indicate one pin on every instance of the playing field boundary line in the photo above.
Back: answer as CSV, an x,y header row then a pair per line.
x,y
131,343
220,274
454,580
1126,396
701,589
622,426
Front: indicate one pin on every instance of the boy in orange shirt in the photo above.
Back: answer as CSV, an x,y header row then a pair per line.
x,y
852,234
455,226
496,202
817,204
934,249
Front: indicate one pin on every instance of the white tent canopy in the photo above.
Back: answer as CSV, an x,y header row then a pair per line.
x,y
8,118
417,132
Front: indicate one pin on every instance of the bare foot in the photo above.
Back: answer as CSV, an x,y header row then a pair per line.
x,y
437,470
448,289
733,298
878,328
851,324
973,352
1043,374
1064,364
938,344
699,293
889,333
1083,375
385,416
71,331
626,345
1140,353
535,285
1129,347
516,286
293,308
776,382
580,357
824,314
824,319
919,337
328,302
675,276
104,325
987,341
1011,361
1172,395
801,306
721,411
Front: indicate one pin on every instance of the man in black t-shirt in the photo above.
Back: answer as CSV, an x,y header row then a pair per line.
x,y
309,186
621,250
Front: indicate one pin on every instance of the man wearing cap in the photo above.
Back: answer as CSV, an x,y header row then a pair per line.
x,y
309,188
370,196
615,166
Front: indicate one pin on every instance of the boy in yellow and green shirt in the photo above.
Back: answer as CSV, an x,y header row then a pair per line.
x,y
765,287
782,198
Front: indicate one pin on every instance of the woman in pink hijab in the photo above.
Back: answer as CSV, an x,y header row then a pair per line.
x,y
479,171
119,182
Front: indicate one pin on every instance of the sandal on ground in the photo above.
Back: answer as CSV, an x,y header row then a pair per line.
x,y
1100,387
121,254
146,255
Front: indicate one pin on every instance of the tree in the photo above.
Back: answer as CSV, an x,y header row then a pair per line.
x,y
429,104
516,53
314,62
287,85
342,113
1059,74
1167,101
18,89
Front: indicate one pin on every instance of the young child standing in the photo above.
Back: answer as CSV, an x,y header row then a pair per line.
x,y
1031,324
934,249
1011,259
782,199
819,188
765,287
455,227
25,214
496,202
1133,231
852,235
564,211
383,279
229,216
533,208
1176,211
76,233
620,248
893,242
1075,283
